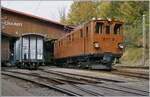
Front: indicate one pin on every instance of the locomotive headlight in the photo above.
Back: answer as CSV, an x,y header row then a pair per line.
x,y
96,44
109,19
120,46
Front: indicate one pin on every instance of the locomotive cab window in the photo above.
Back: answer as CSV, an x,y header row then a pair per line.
x,y
117,29
107,29
99,28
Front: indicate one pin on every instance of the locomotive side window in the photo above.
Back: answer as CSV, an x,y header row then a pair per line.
x,y
117,28
72,37
69,37
81,33
99,28
59,43
107,29
87,31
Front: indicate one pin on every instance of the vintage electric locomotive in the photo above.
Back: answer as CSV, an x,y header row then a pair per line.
x,y
97,44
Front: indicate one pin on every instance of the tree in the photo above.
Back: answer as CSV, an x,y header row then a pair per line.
x,y
81,11
62,14
130,12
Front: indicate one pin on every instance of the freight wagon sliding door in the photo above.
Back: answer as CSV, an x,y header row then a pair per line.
x,y
25,50
17,50
39,48
32,47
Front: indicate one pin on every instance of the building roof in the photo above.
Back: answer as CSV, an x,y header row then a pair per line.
x,y
35,17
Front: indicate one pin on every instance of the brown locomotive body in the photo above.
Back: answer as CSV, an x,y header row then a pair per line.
x,y
96,44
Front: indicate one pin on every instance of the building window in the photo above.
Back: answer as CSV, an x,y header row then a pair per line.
x,y
107,29
99,27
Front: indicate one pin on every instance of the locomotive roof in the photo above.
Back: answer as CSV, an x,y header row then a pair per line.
x,y
109,21
80,26
77,28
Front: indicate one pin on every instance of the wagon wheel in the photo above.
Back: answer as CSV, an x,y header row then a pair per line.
x,y
36,66
18,65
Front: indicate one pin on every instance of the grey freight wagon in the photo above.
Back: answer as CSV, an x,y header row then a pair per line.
x,y
28,51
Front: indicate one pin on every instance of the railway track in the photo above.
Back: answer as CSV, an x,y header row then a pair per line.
x,y
82,77
75,82
131,67
41,83
131,74
48,84
132,71
105,85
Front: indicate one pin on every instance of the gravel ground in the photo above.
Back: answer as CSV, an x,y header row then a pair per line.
x,y
9,89
16,87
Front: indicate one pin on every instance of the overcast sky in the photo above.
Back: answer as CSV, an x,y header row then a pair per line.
x,y
46,9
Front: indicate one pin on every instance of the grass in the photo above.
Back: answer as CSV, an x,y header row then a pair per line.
x,y
131,56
